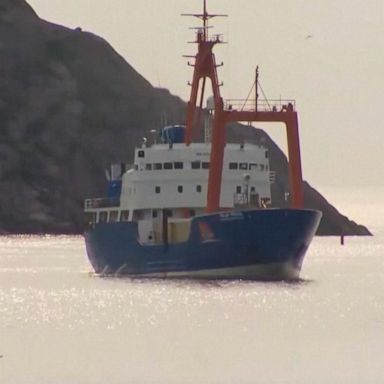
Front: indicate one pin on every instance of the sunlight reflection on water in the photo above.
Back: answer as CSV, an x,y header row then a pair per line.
x,y
59,323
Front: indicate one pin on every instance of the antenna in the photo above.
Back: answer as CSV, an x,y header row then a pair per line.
x,y
205,16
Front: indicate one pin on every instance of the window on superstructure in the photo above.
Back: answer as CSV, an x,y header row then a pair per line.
x,y
192,212
243,166
157,189
168,166
178,165
262,167
198,188
180,188
266,154
154,213
140,154
252,189
124,215
232,166
148,167
136,167
253,166
113,215
195,165
205,165
157,166
238,189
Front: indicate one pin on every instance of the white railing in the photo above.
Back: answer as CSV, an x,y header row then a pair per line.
x,y
240,199
275,105
105,202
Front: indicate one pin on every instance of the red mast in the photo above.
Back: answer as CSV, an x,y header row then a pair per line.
x,y
205,67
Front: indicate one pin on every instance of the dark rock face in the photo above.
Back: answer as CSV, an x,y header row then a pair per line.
x,y
69,106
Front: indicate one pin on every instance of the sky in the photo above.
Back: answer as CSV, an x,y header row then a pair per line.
x,y
328,55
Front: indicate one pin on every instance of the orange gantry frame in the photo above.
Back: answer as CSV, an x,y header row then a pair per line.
x,y
205,67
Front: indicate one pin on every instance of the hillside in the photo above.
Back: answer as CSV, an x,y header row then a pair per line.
x,y
70,105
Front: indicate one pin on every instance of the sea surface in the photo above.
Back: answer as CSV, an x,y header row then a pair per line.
x,y
59,323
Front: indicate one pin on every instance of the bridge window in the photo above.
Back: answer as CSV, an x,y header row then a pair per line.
x,y
154,213
243,166
180,188
266,154
140,153
198,188
195,165
238,189
232,165
205,165
253,166
157,166
168,165
148,167
157,189
178,165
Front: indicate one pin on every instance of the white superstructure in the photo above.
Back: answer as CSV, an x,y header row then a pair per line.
x,y
176,176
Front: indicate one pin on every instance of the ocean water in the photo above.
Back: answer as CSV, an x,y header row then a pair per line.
x,y
61,324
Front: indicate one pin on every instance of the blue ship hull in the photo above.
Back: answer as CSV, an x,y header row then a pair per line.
x,y
267,244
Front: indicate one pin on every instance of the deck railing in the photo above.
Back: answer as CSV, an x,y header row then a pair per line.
x,y
104,202
274,105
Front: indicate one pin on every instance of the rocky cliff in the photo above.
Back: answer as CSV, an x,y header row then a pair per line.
x,y
70,105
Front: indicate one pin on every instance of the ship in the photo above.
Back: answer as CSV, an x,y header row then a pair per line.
x,y
202,209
